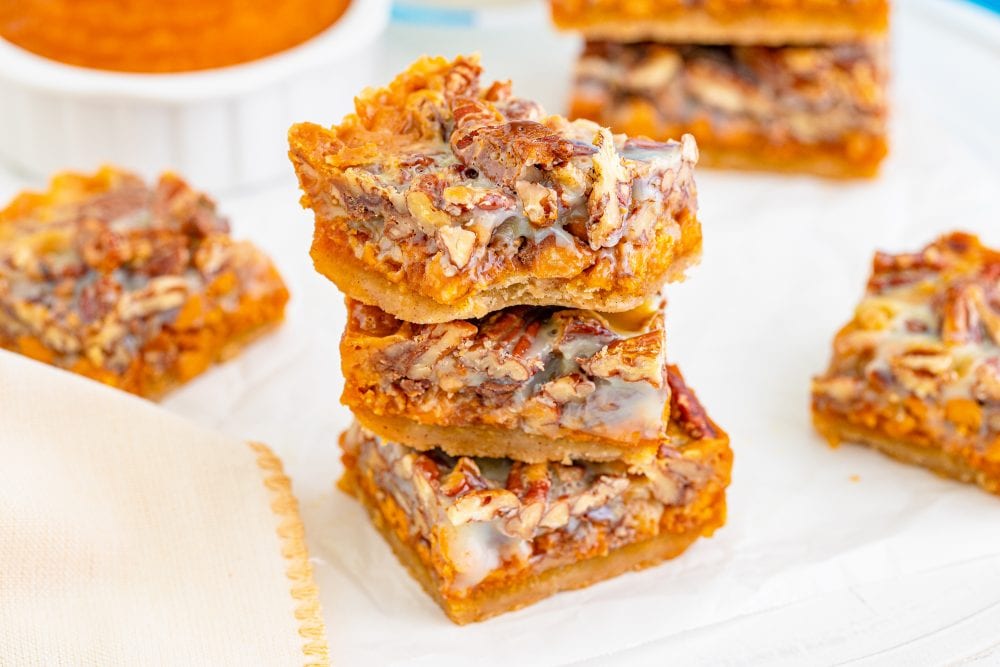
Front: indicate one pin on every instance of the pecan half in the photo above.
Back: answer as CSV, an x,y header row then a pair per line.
x,y
890,270
967,313
482,505
160,294
923,368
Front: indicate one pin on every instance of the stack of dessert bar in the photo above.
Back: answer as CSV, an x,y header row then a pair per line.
x,y
787,85
518,430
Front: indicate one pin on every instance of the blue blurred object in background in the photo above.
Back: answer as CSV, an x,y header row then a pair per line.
x,y
467,13
992,5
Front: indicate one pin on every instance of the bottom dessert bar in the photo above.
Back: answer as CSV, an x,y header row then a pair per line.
x,y
486,536
916,373
810,109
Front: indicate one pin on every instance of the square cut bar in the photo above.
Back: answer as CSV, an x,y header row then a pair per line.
x,y
765,22
485,536
134,285
916,373
444,199
814,109
532,383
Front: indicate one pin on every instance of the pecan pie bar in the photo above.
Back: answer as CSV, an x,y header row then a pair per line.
x,y
442,198
774,22
916,373
532,383
485,535
137,286
816,109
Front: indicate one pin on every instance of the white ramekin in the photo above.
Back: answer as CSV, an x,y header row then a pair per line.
x,y
223,129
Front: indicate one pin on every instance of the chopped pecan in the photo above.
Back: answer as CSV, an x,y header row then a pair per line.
x,y
160,294
482,505
637,359
605,488
556,515
569,388
611,196
529,481
417,358
967,313
460,244
655,71
894,270
101,247
524,522
986,388
463,478
169,256
922,368
576,324
499,364
98,298
540,204
177,206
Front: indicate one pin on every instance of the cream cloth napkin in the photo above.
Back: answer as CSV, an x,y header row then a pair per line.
x,y
129,536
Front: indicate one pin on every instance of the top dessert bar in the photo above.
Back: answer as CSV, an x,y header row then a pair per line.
x,y
762,22
444,199
916,373
137,286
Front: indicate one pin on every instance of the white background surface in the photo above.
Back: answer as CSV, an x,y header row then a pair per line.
x,y
829,556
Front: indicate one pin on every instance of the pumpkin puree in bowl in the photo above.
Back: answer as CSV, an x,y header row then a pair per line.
x,y
163,35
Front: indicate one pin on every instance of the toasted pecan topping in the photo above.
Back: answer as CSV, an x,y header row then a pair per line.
x,y
529,499
814,94
633,359
923,350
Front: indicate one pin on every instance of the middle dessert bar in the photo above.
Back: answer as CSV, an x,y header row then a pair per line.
x,y
530,383
442,198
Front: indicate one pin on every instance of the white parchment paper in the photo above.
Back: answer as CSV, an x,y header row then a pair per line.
x,y
829,555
